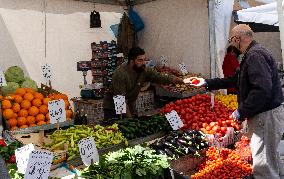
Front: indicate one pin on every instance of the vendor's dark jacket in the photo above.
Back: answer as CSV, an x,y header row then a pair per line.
x,y
128,82
257,82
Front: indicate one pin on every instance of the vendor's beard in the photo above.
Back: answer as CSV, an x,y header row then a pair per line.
x,y
139,69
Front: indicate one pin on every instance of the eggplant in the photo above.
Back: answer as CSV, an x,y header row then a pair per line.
x,y
169,152
162,152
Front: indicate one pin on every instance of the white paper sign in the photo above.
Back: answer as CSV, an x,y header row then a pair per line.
x,y
212,100
88,151
3,81
57,111
183,68
22,157
39,165
164,61
46,72
174,120
120,104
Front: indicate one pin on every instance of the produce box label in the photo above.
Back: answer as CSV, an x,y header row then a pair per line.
x,y
22,157
3,81
120,104
57,111
88,151
174,120
164,61
183,68
39,165
46,72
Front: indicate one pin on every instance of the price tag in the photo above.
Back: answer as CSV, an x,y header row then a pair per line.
x,y
183,68
212,100
22,157
164,61
88,151
120,104
174,120
39,165
46,72
3,81
57,111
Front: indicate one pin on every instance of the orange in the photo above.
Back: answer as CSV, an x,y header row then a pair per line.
x,y
8,113
20,91
37,102
13,122
23,113
14,128
48,122
18,98
16,107
46,100
15,115
33,111
22,121
47,116
66,103
30,120
25,104
40,117
29,90
68,113
28,96
6,104
43,109
41,123
23,126
1,97
38,95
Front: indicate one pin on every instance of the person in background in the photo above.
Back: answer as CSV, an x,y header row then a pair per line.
x,y
260,101
231,65
128,79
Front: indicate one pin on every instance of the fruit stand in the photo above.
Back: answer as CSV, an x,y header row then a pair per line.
x,y
141,147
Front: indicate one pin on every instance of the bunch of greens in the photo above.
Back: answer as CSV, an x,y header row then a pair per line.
x,y
130,163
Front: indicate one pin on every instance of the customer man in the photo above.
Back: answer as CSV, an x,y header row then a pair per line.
x,y
259,97
128,79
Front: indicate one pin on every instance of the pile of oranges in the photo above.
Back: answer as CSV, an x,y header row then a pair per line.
x,y
27,108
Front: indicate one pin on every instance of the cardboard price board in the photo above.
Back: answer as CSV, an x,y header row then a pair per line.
x,y
22,157
57,111
120,104
39,165
46,72
174,120
88,151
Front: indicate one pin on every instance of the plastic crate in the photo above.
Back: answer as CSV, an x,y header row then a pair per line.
x,y
145,103
93,109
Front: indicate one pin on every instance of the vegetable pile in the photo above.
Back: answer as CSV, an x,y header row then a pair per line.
x,y
8,152
196,113
223,163
136,128
181,143
129,163
243,148
229,101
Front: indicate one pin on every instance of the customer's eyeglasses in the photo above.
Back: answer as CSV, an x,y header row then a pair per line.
x,y
231,39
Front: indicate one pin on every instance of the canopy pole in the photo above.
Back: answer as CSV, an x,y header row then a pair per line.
x,y
281,27
212,37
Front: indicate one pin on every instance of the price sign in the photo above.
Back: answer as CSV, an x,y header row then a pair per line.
x,y
174,120
57,111
22,157
3,81
120,104
46,72
88,150
164,61
183,68
39,165
212,100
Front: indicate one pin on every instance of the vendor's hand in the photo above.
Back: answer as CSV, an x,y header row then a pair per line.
x,y
195,81
235,116
178,81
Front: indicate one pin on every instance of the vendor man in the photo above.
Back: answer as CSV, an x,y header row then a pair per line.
x,y
128,79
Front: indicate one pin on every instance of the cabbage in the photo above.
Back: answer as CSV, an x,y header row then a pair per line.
x,y
10,88
14,74
29,83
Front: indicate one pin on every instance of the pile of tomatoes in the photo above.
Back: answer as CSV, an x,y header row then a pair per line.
x,y
223,163
196,113
243,148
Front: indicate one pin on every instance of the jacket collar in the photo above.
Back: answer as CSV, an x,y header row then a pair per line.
x,y
250,46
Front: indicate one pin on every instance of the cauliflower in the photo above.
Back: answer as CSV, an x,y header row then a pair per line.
x,y
29,83
14,74
10,88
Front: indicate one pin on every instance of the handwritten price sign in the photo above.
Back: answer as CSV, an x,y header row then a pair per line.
x,y
88,151
2,79
22,157
39,165
46,72
120,104
57,111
